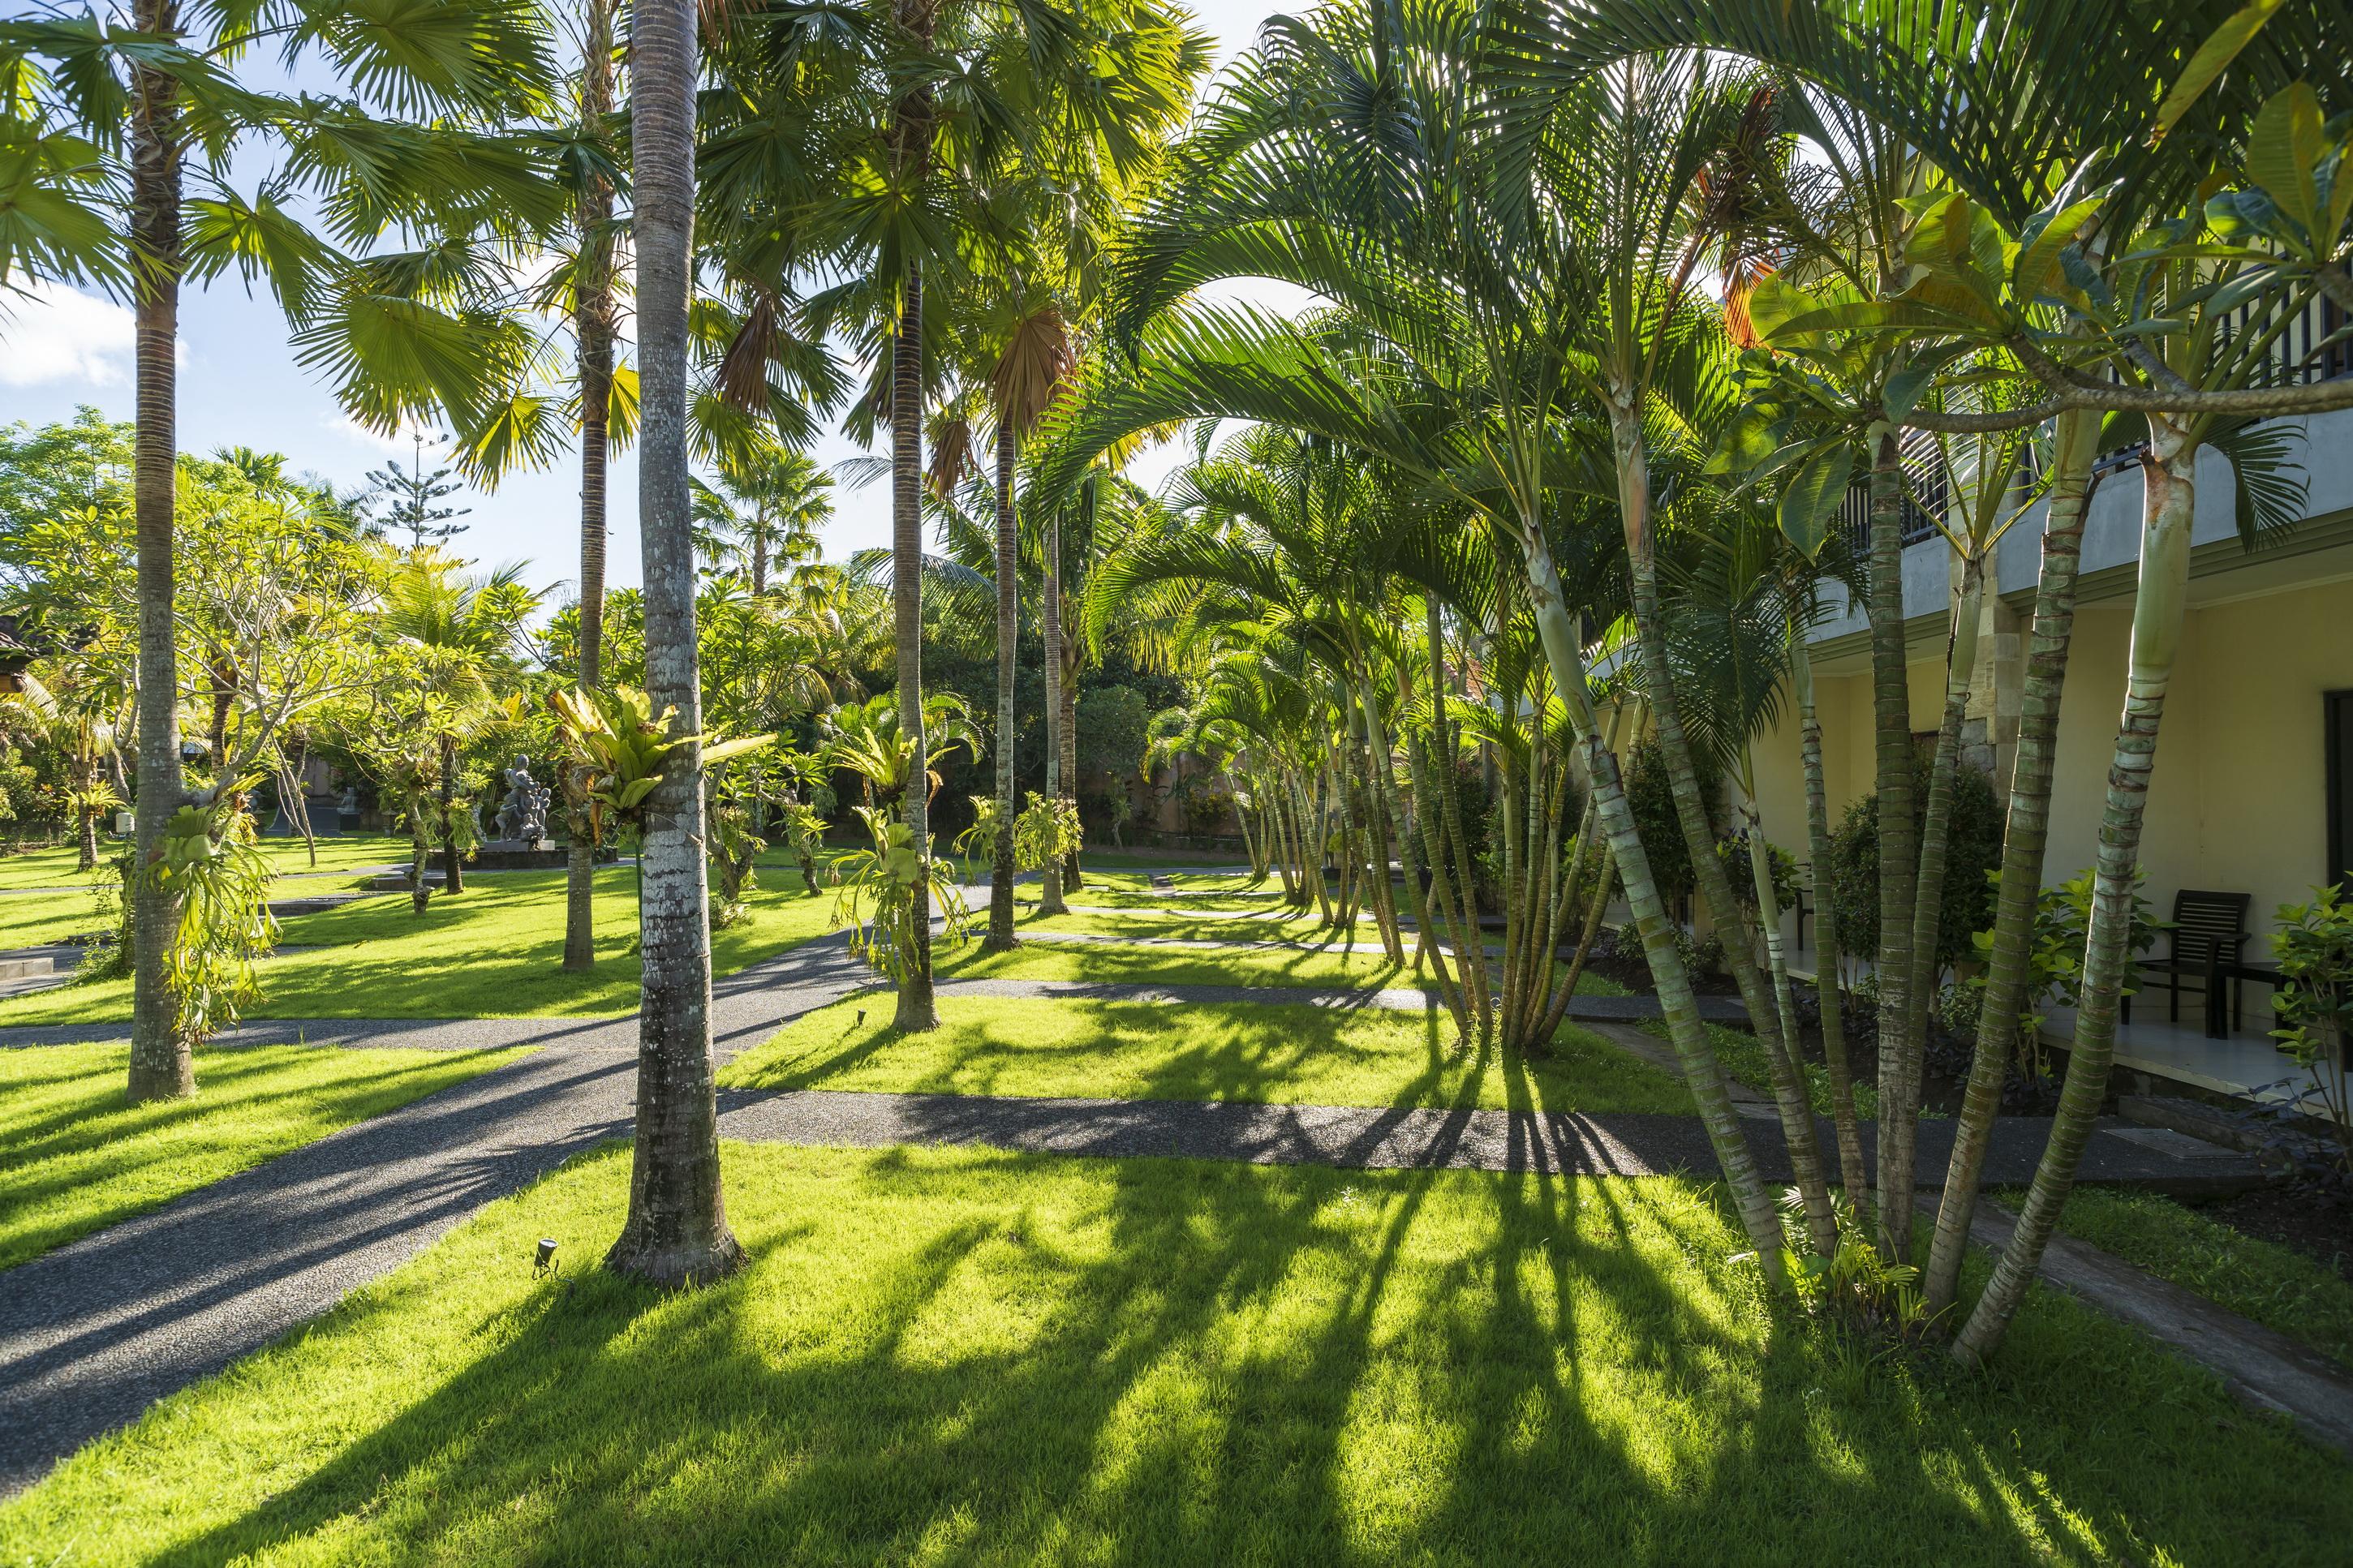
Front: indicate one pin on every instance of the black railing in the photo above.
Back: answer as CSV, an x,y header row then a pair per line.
x,y
1927,491
2302,354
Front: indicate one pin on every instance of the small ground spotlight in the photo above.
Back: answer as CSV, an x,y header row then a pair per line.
x,y
544,1264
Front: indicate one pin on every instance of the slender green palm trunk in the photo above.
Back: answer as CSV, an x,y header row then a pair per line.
x,y
592,335
1899,849
1826,946
1899,1101
1049,893
2170,470
1774,1030
1008,631
1703,1073
915,1010
2023,840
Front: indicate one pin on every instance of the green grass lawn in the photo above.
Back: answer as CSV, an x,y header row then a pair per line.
x,y
1338,966
288,857
2275,1285
1297,1054
74,1158
959,1356
492,952
1743,1056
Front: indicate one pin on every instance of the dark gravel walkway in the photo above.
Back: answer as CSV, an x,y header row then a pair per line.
x,y
92,1333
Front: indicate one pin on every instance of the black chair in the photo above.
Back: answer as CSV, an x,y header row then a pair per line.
x,y
2208,927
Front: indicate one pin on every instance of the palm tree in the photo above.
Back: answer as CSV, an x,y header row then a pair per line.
x,y
461,629
765,509
677,1232
153,109
1467,286
902,129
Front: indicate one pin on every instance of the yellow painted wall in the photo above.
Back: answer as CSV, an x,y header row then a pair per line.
x,y
2236,801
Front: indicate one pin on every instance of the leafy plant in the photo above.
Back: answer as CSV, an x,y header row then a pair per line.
x,y
886,878
733,848
980,838
1734,853
1046,833
209,862
803,831
2054,965
1972,848
620,749
2313,947
1856,1284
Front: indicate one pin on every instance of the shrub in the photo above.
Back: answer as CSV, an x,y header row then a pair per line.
x,y
1973,848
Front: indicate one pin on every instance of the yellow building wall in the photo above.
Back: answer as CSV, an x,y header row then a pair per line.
x,y
2237,800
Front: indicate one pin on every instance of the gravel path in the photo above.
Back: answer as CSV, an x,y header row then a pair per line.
x,y
93,1333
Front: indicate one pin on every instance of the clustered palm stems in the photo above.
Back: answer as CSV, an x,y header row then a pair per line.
x,y
1619,305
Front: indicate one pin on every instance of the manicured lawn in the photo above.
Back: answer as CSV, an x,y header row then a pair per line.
x,y
54,867
970,1357
492,952
1183,926
1253,1051
1744,1059
74,1158
2276,1287
37,919
1338,966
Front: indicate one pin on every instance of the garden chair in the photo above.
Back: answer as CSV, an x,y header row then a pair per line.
x,y
2208,927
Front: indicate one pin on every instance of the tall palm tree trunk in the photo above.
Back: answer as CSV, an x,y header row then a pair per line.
x,y
1067,743
1898,842
677,1232
1782,1060
1049,894
1928,887
2024,837
1702,1072
162,1064
1008,632
915,1011
2170,470
592,333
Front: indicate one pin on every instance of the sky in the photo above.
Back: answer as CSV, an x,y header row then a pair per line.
x,y
240,386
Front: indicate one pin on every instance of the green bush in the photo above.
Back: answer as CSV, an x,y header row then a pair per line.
x,y
1973,848
1651,796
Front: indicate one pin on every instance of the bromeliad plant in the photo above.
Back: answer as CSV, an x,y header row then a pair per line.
x,y
2314,946
1047,833
620,749
887,877
208,860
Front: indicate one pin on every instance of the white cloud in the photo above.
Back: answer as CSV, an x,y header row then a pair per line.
x,y
54,334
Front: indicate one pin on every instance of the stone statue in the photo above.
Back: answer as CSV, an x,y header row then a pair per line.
x,y
522,814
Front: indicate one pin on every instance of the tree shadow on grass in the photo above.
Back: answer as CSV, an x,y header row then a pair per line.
x,y
965,1357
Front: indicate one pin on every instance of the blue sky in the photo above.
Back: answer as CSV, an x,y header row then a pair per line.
x,y
240,386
